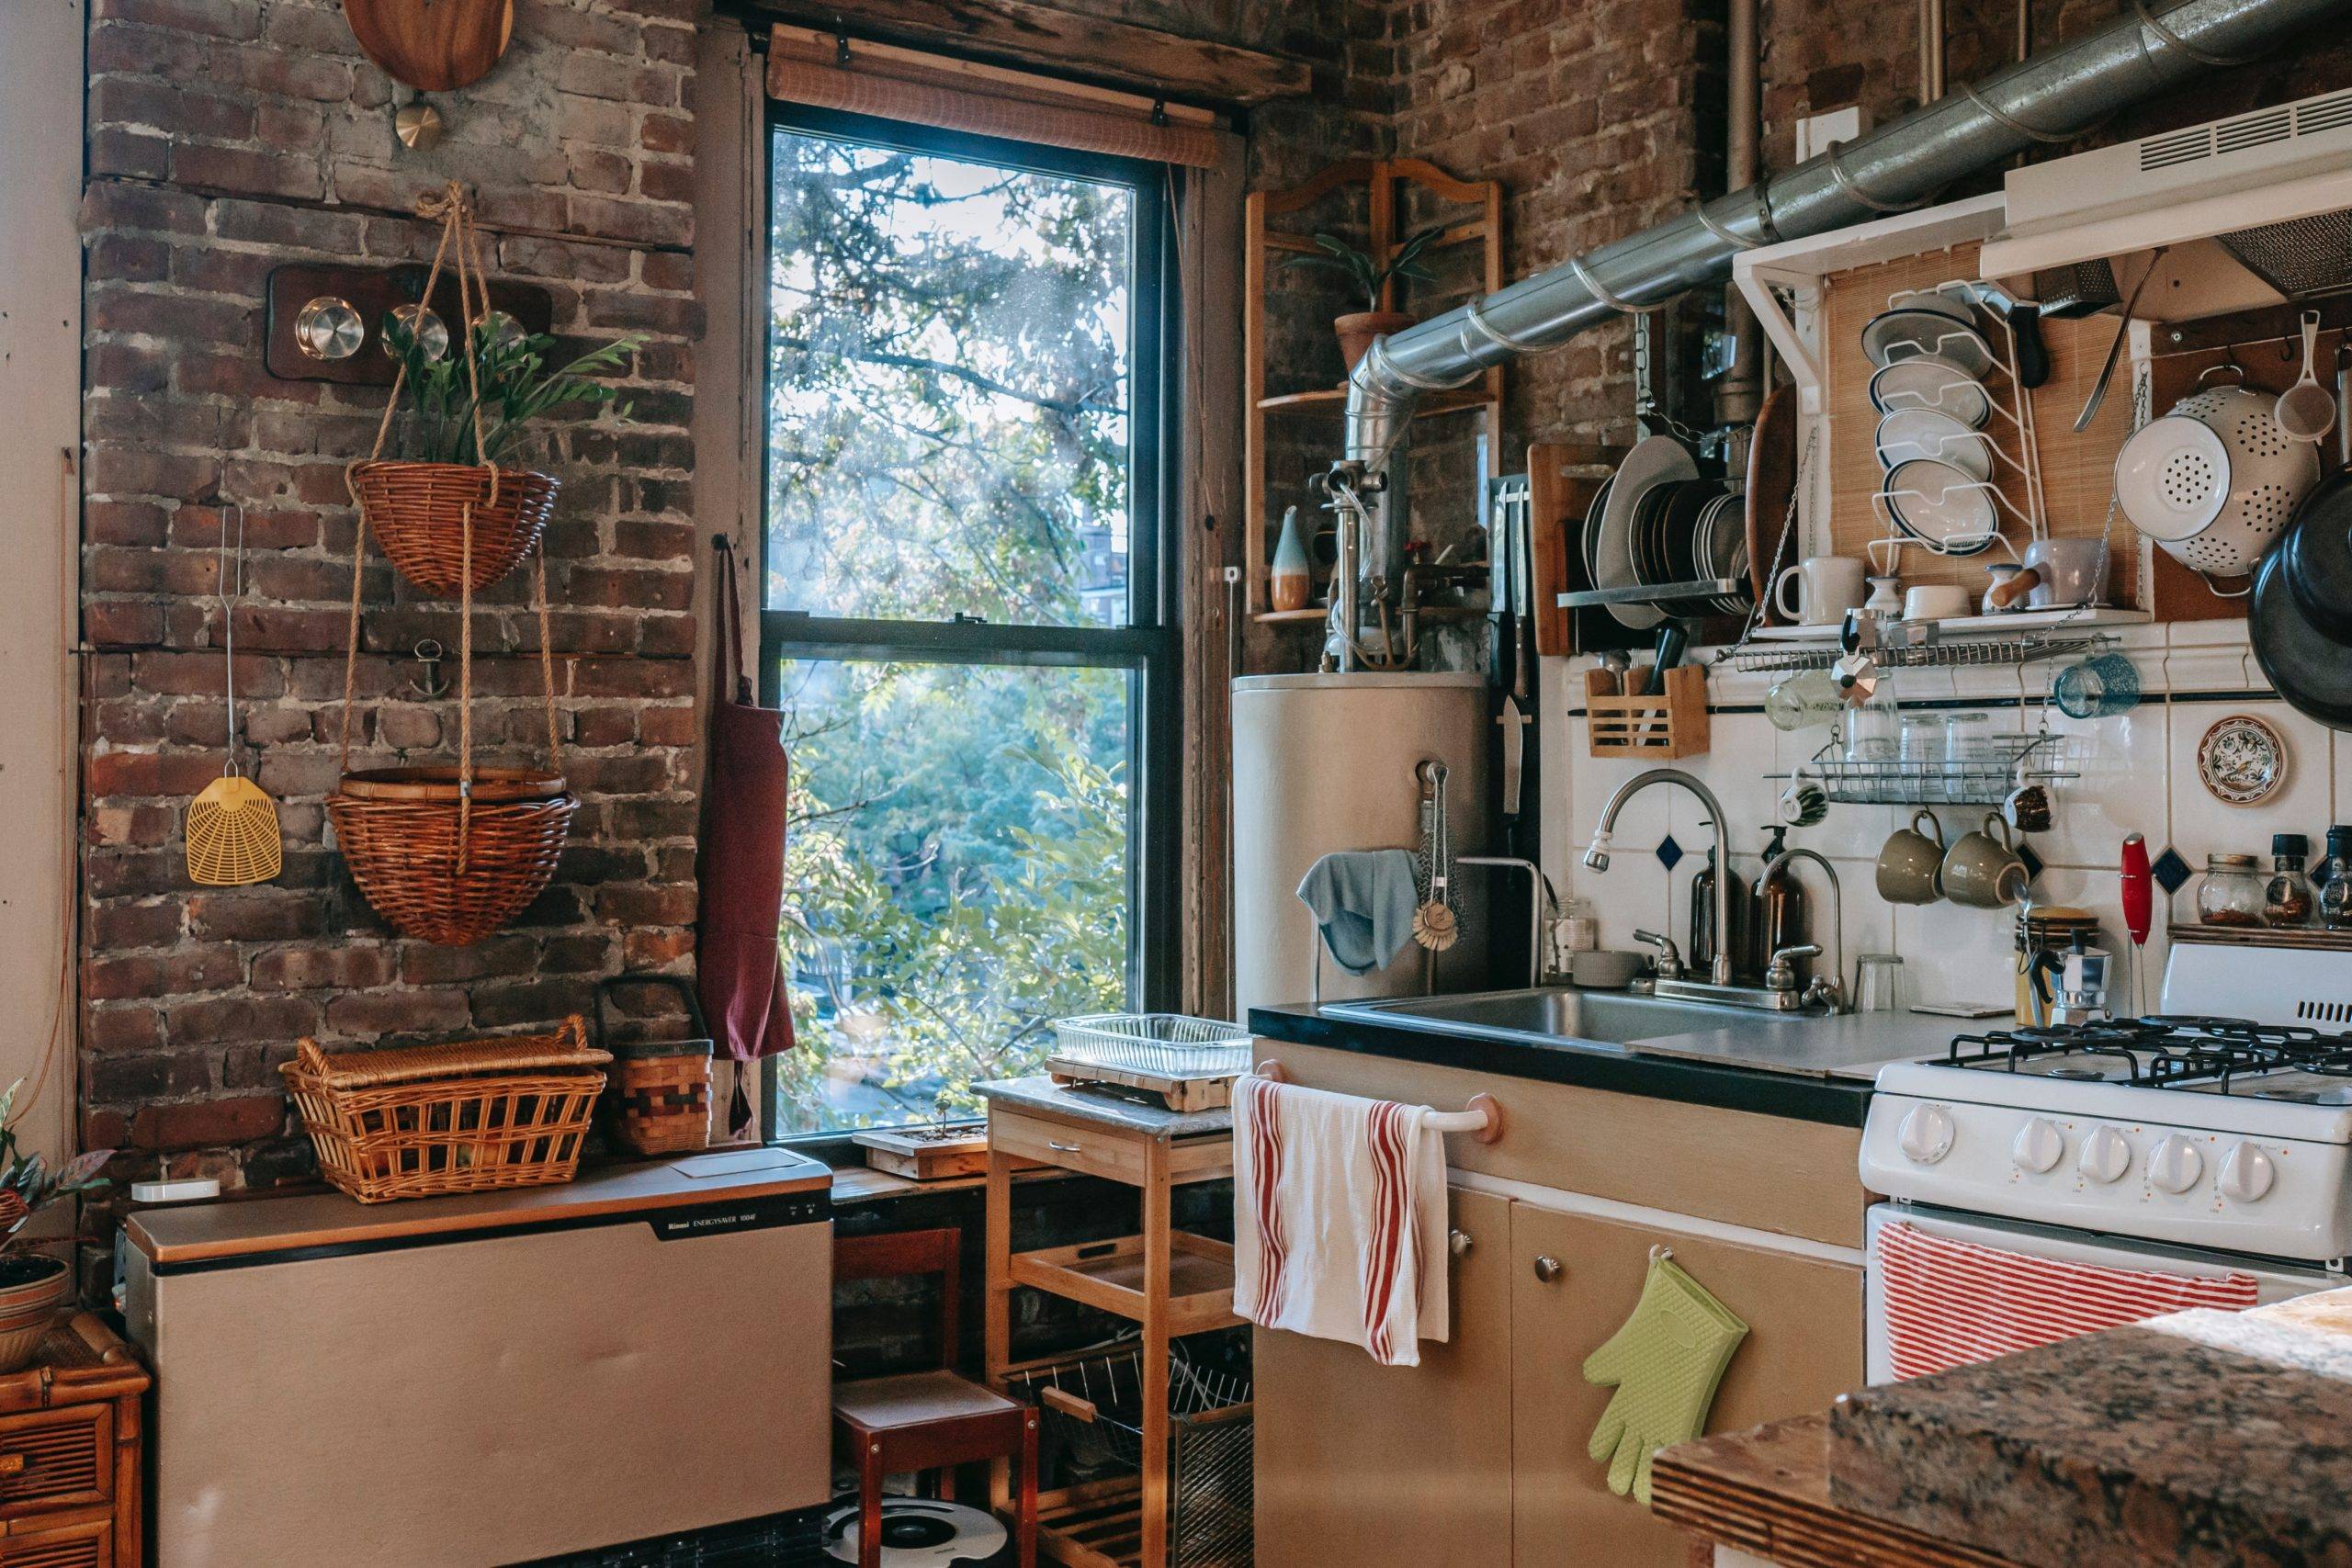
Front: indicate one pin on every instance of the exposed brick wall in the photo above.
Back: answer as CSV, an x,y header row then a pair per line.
x,y
227,137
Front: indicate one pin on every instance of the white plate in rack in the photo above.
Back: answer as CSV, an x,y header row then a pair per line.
x,y
1655,460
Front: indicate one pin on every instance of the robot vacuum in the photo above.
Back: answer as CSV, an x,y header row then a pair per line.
x,y
919,1532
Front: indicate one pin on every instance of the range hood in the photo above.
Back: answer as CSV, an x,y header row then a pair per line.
x,y
2256,209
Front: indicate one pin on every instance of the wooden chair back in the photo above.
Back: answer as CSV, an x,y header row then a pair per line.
x,y
902,1253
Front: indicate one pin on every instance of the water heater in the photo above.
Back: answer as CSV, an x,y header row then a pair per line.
x,y
1326,762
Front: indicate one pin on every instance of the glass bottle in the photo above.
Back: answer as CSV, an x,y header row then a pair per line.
x,y
2288,898
1778,918
2335,879
1702,950
2231,891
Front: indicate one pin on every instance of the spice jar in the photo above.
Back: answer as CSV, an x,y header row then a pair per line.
x,y
2231,892
2288,897
2334,880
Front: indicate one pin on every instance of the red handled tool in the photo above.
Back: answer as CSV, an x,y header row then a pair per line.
x,y
2139,905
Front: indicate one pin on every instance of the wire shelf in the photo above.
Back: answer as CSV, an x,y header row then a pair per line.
x,y
2024,647
1971,781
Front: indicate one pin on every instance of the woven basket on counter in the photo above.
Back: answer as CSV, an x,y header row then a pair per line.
x,y
442,868
661,1099
418,512
471,1116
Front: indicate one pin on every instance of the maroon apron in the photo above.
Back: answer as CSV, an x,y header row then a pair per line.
x,y
739,970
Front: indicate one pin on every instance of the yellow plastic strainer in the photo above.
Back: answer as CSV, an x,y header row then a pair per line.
x,y
231,828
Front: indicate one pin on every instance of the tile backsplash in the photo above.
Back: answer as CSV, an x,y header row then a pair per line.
x,y
2137,773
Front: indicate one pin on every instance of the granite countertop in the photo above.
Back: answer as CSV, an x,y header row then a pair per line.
x,y
1042,1094
1814,1069
2200,1439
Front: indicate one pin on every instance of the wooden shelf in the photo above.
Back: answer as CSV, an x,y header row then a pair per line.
x,y
1098,1525
1108,1276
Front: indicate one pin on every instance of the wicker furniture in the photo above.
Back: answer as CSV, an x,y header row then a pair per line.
x,y
416,510
426,1121
928,1421
72,1452
447,874
1171,1282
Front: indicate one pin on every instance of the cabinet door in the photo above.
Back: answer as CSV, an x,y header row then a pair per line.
x,y
1364,1466
1804,1348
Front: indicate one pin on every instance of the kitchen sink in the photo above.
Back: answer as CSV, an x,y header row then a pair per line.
x,y
1560,1015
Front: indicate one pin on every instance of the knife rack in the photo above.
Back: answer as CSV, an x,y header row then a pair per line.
x,y
1659,726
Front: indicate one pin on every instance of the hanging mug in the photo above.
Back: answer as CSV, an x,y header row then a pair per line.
x,y
1981,869
2027,807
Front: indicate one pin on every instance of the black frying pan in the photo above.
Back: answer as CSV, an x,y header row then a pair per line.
x,y
2312,670
2316,551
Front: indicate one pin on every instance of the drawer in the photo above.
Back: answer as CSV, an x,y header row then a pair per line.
x,y
1097,1151
54,1459
87,1545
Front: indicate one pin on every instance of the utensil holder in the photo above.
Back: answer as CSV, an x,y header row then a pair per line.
x,y
1660,726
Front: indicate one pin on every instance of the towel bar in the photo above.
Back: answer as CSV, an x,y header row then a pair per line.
x,y
1482,1118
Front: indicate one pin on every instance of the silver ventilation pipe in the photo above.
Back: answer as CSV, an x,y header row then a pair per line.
x,y
2053,98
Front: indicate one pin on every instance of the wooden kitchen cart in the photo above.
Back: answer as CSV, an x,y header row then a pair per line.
x,y
71,1448
1171,1282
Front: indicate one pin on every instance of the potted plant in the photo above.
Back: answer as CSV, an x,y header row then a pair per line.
x,y
1370,275
33,1286
461,450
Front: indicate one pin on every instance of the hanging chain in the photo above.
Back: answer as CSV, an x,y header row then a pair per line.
x,y
1779,550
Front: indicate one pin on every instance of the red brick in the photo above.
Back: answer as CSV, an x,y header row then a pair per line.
x,y
346,968
208,1123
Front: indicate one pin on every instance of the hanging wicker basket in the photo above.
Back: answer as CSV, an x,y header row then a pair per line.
x,y
417,510
437,870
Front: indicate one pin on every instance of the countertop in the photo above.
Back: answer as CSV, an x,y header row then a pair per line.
x,y
2198,1439
1815,1069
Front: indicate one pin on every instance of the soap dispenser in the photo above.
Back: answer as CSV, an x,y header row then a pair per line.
x,y
1779,899
1702,951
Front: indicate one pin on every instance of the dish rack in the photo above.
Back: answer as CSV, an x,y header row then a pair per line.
x,y
1970,781
1161,1044
1928,651
1091,1445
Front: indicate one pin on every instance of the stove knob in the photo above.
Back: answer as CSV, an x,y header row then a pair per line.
x,y
2175,1163
2039,1146
2247,1175
1926,1134
2105,1156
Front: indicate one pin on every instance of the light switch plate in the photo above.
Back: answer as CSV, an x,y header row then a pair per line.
x,y
1818,133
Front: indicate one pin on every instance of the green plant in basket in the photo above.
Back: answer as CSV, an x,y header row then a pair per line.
x,y
521,395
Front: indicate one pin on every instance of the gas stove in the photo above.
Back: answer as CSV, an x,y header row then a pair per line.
x,y
2225,1123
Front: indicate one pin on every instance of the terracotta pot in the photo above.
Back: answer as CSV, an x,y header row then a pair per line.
x,y
33,1291
1356,332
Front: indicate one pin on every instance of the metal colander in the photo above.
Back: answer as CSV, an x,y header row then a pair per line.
x,y
2213,482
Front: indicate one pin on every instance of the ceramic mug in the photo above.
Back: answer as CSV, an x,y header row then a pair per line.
x,y
2068,572
1910,867
1935,602
2026,808
1981,869
1828,586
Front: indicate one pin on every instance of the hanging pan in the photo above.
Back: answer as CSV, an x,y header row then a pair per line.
x,y
2315,557
2312,670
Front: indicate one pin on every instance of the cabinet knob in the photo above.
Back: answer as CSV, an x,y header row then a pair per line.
x,y
1459,1242
1547,1269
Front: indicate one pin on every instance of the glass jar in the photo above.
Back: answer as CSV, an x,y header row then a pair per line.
x,y
2231,891
2288,898
1922,740
2334,880
1968,750
1870,730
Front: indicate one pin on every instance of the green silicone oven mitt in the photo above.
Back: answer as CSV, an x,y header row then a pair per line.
x,y
1665,1363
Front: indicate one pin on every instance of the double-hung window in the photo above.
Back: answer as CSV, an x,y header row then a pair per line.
x,y
965,621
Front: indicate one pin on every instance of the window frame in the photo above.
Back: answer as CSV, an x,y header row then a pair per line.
x,y
1148,646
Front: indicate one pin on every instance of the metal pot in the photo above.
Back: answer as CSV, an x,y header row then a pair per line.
x,y
2213,482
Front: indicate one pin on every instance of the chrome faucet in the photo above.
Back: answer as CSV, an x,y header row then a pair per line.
x,y
1542,905
1597,854
1826,990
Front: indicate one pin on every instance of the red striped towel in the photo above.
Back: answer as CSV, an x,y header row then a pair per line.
x,y
1339,1218
1951,1302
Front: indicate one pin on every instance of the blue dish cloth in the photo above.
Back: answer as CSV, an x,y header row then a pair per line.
x,y
1363,901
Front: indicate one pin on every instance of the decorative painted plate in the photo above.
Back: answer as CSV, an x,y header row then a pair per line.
x,y
2242,761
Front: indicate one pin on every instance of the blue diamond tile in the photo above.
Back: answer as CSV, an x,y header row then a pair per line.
x,y
1669,851
2169,870
2033,862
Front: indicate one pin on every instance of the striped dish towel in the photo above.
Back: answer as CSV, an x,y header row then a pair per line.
x,y
1951,1302
1339,1218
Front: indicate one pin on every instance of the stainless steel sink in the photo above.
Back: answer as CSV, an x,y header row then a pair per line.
x,y
1560,1015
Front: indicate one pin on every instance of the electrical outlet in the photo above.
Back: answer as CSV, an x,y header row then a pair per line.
x,y
1818,133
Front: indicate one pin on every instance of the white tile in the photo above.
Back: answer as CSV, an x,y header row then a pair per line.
x,y
2203,825
1954,953
2124,787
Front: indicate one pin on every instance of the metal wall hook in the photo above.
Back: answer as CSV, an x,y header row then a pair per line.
x,y
432,682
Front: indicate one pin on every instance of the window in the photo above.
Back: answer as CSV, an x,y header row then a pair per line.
x,y
964,621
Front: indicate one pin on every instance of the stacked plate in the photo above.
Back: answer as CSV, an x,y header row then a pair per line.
x,y
1657,523
1929,393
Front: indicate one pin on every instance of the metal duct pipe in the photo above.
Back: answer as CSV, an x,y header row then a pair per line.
x,y
1741,392
2053,98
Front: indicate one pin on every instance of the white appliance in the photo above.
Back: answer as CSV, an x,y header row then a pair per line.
x,y
487,1379
2213,1139
1326,762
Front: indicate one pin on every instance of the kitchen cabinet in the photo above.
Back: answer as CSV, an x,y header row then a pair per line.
x,y
1361,1464
1477,1456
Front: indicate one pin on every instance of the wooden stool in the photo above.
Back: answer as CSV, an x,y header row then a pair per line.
x,y
927,1421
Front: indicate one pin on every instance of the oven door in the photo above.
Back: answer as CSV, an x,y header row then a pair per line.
x,y
2004,1286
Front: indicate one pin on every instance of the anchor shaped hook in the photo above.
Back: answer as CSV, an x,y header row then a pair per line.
x,y
431,683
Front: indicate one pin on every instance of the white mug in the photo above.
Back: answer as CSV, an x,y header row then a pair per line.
x,y
1935,602
1828,586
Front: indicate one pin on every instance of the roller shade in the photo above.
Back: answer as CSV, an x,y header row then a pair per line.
x,y
807,67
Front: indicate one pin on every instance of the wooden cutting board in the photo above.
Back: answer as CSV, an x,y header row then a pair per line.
x,y
434,46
